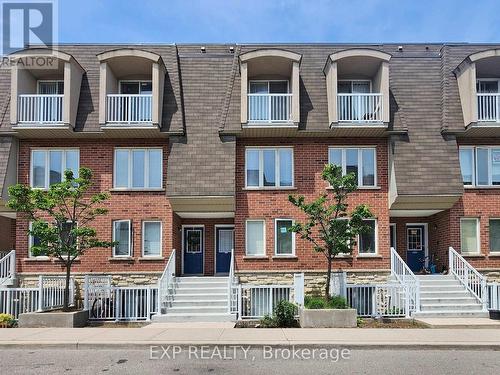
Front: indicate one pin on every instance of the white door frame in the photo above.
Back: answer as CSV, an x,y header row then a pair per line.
x,y
215,242
203,245
426,240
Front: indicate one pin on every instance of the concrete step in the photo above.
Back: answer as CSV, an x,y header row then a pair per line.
x,y
200,285
200,303
197,317
446,300
189,290
451,307
442,288
451,314
444,294
189,310
438,282
199,296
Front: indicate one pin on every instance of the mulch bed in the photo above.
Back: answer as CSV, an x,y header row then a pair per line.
x,y
390,323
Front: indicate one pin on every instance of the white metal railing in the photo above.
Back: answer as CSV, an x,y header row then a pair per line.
x,y
468,276
121,108
488,107
51,292
131,303
388,300
232,288
256,301
494,296
166,284
359,107
40,108
15,301
269,107
8,266
405,277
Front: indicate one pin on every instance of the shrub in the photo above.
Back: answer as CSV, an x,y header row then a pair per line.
x,y
284,314
267,322
317,302
7,320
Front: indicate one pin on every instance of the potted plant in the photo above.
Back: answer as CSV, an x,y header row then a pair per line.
x,y
320,312
61,219
332,229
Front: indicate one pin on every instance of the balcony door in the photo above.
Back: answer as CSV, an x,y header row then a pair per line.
x,y
269,101
488,99
135,101
353,105
49,101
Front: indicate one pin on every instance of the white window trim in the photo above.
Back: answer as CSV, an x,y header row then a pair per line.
x,y
357,80
360,164
146,168
479,80
47,163
264,237
489,233
478,236
30,243
48,81
139,81
130,244
277,162
472,148
475,183
144,237
268,81
393,225
292,254
368,255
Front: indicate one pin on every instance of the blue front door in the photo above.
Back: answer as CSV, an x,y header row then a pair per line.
x,y
224,244
193,250
415,240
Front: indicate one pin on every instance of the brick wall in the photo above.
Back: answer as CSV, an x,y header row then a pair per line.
x,y
310,156
136,206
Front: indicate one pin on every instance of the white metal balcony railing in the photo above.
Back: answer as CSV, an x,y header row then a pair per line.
x,y
359,107
488,107
121,108
269,107
40,108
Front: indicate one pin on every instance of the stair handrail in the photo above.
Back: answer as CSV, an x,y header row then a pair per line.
x,y
166,283
230,282
8,266
468,276
405,276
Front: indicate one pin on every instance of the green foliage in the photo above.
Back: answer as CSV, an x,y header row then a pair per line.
x,y
359,321
320,302
330,226
61,217
283,316
8,320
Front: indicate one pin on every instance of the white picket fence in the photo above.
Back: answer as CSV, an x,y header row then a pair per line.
x,y
49,295
370,300
494,296
132,303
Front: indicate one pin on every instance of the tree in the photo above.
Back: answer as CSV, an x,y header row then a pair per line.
x,y
329,226
60,218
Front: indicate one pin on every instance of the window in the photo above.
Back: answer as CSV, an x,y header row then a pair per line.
x,y
255,235
360,161
393,239
354,87
138,168
285,240
269,167
469,235
194,238
494,235
50,87
151,238
122,233
136,87
368,240
33,241
48,166
480,166
268,101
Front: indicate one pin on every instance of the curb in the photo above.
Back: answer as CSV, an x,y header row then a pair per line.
x,y
143,345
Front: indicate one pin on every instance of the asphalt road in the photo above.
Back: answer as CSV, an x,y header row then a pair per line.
x,y
97,361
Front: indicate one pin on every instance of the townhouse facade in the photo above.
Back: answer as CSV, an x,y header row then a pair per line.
x,y
200,147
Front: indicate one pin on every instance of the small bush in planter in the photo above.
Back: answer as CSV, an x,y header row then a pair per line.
x,y
283,316
320,302
7,321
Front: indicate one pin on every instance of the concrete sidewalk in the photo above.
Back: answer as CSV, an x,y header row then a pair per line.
x,y
140,338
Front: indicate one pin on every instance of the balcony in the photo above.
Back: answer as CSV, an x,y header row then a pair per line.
x,y
269,108
488,107
129,108
42,109
359,108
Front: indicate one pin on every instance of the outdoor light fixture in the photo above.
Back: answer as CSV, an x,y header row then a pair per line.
x,y
400,48
203,49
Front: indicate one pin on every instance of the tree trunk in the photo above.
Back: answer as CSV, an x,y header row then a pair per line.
x,y
66,288
328,276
